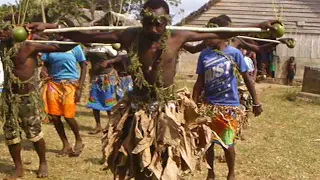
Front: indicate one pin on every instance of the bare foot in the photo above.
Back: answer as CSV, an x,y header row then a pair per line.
x,y
18,173
231,176
95,131
102,160
66,150
222,159
78,147
43,171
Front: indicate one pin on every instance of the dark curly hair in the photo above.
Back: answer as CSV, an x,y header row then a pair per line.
x,y
156,4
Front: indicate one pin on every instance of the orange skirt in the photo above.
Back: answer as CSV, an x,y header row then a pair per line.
x,y
59,98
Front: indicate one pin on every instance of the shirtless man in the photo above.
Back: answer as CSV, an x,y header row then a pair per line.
x,y
21,99
149,42
153,52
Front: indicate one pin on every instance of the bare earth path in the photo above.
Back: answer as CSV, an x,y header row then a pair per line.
x,y
281,144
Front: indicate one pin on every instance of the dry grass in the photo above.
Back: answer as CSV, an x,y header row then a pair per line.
x,y
279,145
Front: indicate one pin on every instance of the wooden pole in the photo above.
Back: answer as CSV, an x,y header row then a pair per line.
x,y
258,39
102,44
195,29
67,42
43,12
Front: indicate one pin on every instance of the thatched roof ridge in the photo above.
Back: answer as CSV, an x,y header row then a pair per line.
x,y
198,12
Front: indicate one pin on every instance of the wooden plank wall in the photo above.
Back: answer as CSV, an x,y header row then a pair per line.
x,y
300,16
307,46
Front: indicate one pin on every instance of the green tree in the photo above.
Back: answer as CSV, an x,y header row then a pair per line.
x,y
4,11
120,6
51,10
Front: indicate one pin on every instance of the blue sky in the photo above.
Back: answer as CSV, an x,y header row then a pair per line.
x,y
187,5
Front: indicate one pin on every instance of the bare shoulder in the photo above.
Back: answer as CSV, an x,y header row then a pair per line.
x,y
128,35
27,46
180,34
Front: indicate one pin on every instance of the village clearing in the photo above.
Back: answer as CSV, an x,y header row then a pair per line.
x,y
283,143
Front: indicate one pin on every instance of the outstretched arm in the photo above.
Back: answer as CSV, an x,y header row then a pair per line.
x,y
48,48
194,49
99,37
32,49
195,36
189,36
256,48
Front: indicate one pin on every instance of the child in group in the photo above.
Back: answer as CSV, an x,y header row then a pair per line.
x,y
291,69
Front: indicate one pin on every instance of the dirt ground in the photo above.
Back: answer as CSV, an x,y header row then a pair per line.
x,y
281,144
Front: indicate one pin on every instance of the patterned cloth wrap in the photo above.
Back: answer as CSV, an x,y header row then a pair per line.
x,y
125,85
59,98
103,94
222,124
25,115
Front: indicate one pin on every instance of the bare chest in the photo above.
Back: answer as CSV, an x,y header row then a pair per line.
x,y
25,69
158,56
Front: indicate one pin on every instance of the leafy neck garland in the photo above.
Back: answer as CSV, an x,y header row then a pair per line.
x,y
236,69
155,91
146,14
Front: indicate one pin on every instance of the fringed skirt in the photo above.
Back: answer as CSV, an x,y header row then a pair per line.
x,y
163,141
151,141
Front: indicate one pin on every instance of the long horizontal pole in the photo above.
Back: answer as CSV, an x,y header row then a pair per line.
x,y
102,44
67,42
258,39
195,29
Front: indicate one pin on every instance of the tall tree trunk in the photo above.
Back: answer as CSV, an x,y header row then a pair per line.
x,y
20,11
25,12
109,5
43,13
120,11
93,7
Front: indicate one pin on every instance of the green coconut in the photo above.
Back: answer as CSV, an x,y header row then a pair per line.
x,y
291,43
116,46
19,34
278,31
